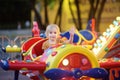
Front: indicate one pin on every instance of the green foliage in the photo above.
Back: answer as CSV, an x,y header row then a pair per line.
x,y
51,3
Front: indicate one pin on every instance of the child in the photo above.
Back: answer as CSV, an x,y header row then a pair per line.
x,y
53,35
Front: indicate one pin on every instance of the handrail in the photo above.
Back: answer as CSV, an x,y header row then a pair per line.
x,y
16,41
3,38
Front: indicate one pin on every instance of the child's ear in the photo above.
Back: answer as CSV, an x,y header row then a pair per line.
x,y
46,34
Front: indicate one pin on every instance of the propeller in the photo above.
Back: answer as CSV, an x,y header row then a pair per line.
x,y
2,48
56,74
94,73
5,65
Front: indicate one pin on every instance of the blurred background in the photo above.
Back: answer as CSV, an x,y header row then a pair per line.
x,y
16,17
18,14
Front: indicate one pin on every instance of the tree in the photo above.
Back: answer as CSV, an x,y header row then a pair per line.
x,y
77,21
93,9
46,12
37,14
102,4
59,14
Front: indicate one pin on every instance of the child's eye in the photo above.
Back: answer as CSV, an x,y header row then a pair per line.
x,y
55,32
50,32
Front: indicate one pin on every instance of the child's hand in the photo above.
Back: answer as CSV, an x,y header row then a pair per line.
x,y
72,31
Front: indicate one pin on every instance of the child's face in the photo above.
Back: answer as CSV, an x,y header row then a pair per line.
x,y
53,34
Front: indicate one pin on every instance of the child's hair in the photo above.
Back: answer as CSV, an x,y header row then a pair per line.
x,y
50,27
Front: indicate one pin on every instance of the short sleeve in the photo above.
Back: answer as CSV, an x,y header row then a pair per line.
x,y
45,45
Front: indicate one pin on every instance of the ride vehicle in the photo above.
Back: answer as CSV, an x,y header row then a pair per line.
x,y
67,61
